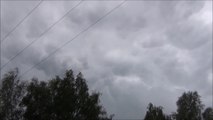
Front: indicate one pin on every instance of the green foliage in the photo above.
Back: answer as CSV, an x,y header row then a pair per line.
x,y
189,106
155,113
208,114
11,93
65,98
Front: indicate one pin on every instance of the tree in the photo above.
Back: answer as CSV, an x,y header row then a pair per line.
x,y
173,116
37,101
88,105
65,98
208,114
189,106
155,113
11,93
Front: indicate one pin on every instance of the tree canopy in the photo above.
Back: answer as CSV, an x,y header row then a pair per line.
x,y
154,113
189,106
208,114
11,93
66,98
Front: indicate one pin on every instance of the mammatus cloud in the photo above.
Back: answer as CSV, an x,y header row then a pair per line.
x,y
142,52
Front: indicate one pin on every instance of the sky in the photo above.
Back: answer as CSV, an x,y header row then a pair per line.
x,y
140,52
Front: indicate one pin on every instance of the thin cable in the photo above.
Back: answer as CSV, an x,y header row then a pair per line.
x,y
48,29
87,28
22,20
117,0
212,56
0,40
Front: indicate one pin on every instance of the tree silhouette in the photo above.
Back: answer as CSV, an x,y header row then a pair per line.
x,y
11,93
37,101
68,98
65,98
189,106
208,114
155,113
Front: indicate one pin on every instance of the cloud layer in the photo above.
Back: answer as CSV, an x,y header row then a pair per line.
x,y
142,52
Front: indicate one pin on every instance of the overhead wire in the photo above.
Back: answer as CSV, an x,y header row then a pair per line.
x,y
47,30
76,36
21,21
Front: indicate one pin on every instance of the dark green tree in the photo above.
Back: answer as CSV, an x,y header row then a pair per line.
x,y
63,95
208,114
65,98
155,113
11,94
189,106
37,101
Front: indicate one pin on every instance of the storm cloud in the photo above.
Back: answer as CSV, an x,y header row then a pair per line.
x,y
144,51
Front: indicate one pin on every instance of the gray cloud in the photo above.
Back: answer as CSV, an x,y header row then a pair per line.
x,y
143,52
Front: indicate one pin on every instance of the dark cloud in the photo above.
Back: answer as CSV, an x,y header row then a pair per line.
x,y
142,52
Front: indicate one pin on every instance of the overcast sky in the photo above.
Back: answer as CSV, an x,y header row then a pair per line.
x,y
141,52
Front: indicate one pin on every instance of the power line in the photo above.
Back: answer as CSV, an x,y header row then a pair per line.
x,y
87,28
212,58
115,0
48,29
0,39
22,20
